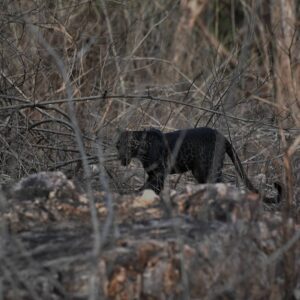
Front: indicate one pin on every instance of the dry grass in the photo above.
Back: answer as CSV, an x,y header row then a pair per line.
x,y
74,72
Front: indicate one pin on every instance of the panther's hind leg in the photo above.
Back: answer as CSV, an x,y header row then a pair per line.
x,y
215,171
217,161
210,169
200,174
217,176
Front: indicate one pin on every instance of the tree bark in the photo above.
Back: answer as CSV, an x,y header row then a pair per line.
x,y
286,49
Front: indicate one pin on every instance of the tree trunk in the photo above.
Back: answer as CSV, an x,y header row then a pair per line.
x,y
286,51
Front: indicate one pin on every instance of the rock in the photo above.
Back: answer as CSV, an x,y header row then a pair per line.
x,y
215,243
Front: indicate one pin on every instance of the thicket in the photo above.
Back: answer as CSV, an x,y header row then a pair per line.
x,y
74,72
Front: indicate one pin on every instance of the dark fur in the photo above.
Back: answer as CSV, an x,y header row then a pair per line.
x,y
200,150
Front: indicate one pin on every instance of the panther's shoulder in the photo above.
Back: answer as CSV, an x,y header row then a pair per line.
x,y
154,131
136,135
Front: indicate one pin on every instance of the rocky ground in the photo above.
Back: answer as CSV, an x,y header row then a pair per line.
x,y
209,242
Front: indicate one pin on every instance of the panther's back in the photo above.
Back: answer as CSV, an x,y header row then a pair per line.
x,y
192,147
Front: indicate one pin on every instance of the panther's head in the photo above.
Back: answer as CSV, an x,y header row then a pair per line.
x,y
145,145
127,146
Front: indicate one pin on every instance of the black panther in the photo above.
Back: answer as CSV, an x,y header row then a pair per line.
x,y
199,150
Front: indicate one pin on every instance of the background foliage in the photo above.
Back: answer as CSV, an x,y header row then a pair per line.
x,y
232,65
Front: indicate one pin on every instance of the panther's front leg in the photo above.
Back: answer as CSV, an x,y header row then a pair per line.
x,y
155,181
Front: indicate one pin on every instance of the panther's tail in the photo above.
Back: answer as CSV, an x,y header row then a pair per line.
x,y
239,167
